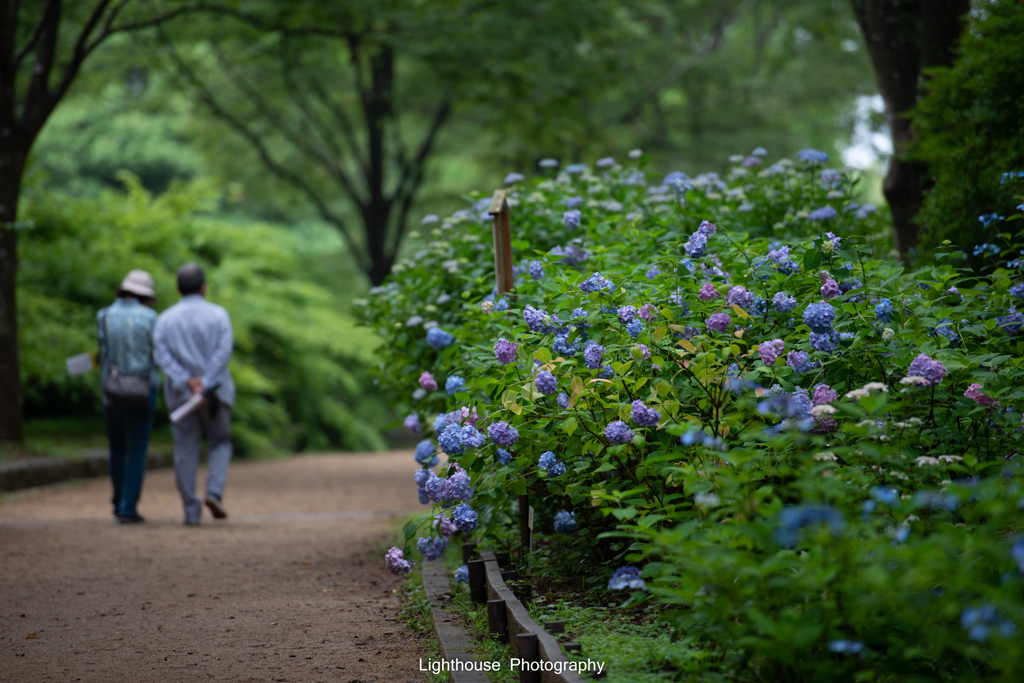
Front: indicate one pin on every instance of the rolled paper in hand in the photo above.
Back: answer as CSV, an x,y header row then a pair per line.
x,y
188,407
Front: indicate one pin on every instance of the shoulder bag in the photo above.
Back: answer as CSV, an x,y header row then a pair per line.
x,y
129,392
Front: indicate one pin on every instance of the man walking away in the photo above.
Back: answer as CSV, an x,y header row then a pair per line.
x,y
193,342
128,380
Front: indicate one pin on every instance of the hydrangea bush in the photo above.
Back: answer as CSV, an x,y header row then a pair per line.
x,y
805,452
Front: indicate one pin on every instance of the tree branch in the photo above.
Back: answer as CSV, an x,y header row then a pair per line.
x,y
34,38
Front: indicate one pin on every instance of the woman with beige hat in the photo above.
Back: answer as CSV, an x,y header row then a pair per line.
x,y
128,379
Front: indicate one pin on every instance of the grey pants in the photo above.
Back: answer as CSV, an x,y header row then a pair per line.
x,y
188,435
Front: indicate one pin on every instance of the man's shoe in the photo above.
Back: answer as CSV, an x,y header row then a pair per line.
x,y
131,519
216,507
191,522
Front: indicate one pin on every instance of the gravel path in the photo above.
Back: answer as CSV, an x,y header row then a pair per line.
x,y
291,587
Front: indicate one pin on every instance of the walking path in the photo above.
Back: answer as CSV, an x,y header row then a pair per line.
x,y
291,587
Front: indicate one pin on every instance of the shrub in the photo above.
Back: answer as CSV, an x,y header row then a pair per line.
x,y
969,128
759,402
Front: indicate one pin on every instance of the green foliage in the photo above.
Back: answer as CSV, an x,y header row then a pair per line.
x,y
969,128
299,361
779,504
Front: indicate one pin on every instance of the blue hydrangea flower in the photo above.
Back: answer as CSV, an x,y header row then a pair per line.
x,y
546,383
457,487
596,282
1011,324
565,522
1017,291
540,320
462,574
626,577
652,273
846,647
503,434
783,302
697,245
826,341
606,162
504,457
812,156
536,269
799,361
883,310
759,307
434,487
635,328
571,218
576,169
464,517
592,355
820,317
450,440
739,296
562,347
563,400
644,416
425,453
431,548
471,437
982,249
440,422
989,218
946,329
453,384
795,519
439,339
627,314
501,304
513,178
550,462
618,432
572,202
825,213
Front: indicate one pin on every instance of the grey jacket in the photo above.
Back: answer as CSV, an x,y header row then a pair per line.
x,y
193,338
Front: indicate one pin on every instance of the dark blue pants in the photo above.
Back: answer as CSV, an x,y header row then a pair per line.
x,y
128,435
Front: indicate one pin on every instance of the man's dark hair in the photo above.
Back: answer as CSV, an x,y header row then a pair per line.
x,y
191,278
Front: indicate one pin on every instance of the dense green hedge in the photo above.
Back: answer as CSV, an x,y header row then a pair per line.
x,y
799,443
300,362
969,128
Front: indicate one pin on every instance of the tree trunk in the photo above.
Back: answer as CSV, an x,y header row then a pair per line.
x,y
10,381
903,37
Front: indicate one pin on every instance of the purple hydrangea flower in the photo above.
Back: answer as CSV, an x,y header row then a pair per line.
x,y
719,322
572,202
596,283
428,382
571,218
644,350
431,548
451,440
396,562
503,434
439,339
707,292
770,350
652,273
464,518
606,162
825,213
546,383
504,457
563,400
932,370
457,487
783,302
562,347
626,577
830,175
1011,324
536,269
635,328
799,361
812,156
739,296
824,394
453,384
505,351
462,574
706,228
618,432
445,525
565,522
422,476
434,487
550,462
627,314
648,312
644,416
412,423
592,355
830,289
697,245
513,178
820,317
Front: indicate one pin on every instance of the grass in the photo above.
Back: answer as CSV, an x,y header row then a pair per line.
x,y
71,438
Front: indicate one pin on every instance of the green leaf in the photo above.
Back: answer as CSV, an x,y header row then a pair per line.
x,y
569,425
409,530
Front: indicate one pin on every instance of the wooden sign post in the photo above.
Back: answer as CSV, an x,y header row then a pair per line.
x,y
503,282
502,242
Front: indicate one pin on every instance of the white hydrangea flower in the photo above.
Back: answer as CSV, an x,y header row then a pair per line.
x,y
926,460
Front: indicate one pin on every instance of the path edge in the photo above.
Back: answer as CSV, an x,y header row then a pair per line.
x,y
455,643
16,475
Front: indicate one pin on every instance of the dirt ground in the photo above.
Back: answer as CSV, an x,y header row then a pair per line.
x,y
291,587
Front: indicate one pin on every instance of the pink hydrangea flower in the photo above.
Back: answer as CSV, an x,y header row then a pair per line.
x,y
770,350
648,311
707,292
974,393
829,289
823,395
428,382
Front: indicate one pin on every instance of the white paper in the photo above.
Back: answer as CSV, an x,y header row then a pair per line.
x,y
529,521
79,365
187,408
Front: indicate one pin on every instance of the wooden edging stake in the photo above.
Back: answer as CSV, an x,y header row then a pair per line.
x,y
502,241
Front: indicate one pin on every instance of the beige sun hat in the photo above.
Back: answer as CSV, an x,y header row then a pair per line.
x,y
138,282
